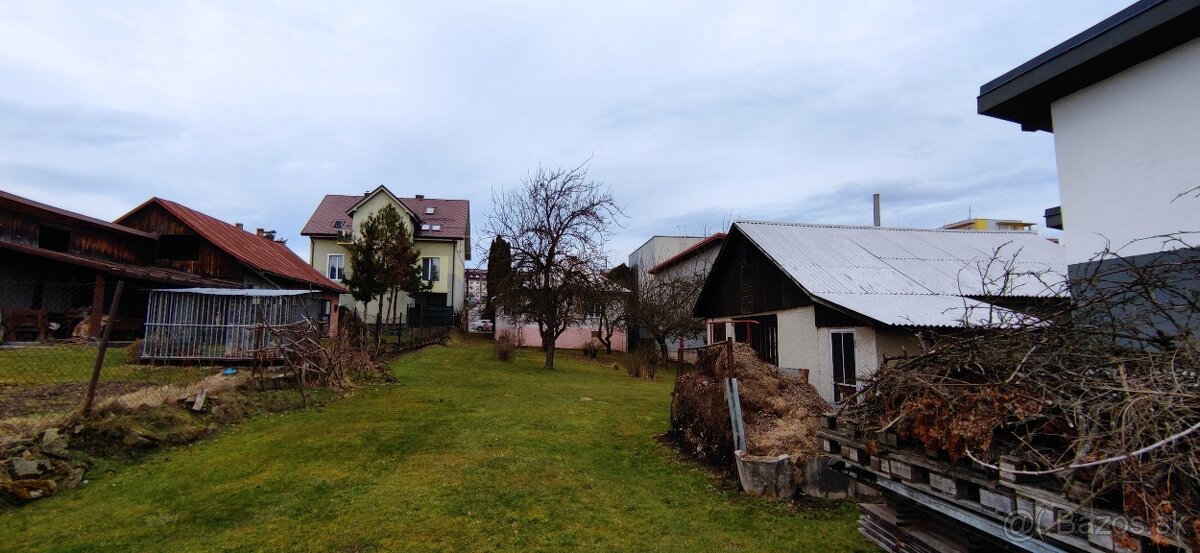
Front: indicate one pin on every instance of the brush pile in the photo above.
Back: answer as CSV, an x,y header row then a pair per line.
x,y
780,411
1103,405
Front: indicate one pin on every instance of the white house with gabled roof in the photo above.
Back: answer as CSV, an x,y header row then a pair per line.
x,y
835,300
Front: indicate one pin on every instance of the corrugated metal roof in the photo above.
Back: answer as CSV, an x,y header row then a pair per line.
x,y
943,311
253,292
906,276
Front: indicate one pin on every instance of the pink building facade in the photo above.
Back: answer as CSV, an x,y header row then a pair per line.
x,y
575,337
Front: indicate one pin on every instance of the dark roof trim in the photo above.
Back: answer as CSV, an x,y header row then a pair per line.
x,y
56,211
1131,36
139,272
716,239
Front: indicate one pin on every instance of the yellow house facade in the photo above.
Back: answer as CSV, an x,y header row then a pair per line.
x,y
441,231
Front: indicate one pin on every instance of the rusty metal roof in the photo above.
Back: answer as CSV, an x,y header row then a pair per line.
x,y
262,254
911,277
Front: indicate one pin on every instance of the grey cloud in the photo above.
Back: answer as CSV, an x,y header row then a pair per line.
x,y
80,124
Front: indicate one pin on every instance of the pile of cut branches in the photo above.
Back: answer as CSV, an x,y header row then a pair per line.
x,y
318,360
1103,396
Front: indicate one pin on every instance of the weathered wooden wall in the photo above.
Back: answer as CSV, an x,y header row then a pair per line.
x,y
212,261
20,225
744,281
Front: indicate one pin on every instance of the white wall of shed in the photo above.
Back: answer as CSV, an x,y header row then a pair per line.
x,y
1126,147
802,345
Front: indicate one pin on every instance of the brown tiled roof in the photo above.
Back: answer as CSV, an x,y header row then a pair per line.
x,y
715,240
454,216
260,253
332,208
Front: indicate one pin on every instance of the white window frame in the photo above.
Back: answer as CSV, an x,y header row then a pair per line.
x,y
437,262
341,267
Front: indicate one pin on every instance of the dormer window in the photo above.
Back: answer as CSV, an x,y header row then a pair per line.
x,y
429,211
437,227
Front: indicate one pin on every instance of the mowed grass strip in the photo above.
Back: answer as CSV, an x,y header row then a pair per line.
x,y
466,454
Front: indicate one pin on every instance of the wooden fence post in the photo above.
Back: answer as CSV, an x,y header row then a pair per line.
x,y
90,398
94,319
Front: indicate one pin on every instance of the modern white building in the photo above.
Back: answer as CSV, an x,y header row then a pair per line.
x,y
1123,101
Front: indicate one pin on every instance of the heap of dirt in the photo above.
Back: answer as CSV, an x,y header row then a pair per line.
x,y
781,412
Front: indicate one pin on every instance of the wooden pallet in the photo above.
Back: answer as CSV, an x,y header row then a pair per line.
x,y
989,498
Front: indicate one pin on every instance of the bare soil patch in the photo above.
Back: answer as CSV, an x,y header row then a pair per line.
x,y
24,400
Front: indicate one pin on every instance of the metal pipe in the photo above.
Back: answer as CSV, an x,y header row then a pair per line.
x,y
875,200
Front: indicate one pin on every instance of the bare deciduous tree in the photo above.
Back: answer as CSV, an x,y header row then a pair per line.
x,y
663,307
556,224
605,305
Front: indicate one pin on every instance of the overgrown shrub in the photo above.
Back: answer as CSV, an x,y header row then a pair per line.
x,y
506,344
134,352
592,348
642,363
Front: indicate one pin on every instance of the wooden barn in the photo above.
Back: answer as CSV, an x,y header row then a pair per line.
x,y
58,270
200,244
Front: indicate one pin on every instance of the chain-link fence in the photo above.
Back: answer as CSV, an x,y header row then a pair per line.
x,y
50,334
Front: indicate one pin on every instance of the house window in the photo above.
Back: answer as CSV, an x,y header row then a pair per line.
x,y
336,267
718,333
179,247
845,379
429,211
436,227
431,269
54,239
339,224
425,226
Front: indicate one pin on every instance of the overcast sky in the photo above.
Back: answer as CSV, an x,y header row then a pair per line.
x,y
696,113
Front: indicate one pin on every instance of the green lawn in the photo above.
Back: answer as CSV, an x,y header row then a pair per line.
x,y
57,364
465,454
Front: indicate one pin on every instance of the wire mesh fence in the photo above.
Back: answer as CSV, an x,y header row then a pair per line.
x,y
161,344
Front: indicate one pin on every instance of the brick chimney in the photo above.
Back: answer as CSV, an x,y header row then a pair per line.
x,y
239,226
258,232
420,196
